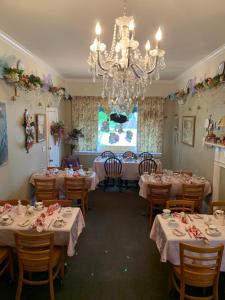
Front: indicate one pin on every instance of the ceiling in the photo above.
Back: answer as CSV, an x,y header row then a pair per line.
x,y
60,32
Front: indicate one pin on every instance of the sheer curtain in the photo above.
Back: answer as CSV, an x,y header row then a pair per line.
x,y
150,124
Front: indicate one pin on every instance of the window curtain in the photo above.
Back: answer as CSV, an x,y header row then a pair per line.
x,y
85,116
150,124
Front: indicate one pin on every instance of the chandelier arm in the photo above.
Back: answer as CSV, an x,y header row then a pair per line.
x,y
136,74
153,69
99,63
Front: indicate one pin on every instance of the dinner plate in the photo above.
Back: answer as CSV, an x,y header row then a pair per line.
x,y
9,222
178,232
210,233
24,224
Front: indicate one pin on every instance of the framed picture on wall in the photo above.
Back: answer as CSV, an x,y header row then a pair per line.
x,y
40,128
188,130
3,135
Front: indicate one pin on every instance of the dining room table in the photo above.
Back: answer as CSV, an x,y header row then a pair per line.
x,y
190,228
130,167
91,179
175,179
31,219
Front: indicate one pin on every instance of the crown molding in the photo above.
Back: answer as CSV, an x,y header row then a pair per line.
x,y
20,48
210,56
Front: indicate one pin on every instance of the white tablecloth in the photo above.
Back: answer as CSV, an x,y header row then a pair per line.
x,y
64,236
168,243
91,181
130,168
176,181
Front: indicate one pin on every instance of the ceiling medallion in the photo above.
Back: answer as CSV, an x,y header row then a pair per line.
x,y
125,72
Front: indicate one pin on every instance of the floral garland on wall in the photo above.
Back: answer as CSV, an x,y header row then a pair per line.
x,y
16,77
193,87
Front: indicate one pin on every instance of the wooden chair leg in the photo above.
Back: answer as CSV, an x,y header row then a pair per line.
x,y
51,285
20,285
83,207
11,268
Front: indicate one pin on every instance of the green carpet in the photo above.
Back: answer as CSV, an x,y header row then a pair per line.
x,y
115,259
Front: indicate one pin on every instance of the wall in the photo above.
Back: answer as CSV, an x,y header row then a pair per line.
x,y
199,158
14,175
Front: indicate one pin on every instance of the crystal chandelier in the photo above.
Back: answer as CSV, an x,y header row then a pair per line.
x,y
126,73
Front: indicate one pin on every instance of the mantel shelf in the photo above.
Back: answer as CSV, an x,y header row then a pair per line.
x,y
215,145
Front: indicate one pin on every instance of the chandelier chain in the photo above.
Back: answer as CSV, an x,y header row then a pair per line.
x,y
124,7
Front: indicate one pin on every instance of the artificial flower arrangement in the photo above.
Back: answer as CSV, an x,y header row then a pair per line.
x,y
73,136
193,87
31,82
113,138
57,130
129,136
29,127
12,75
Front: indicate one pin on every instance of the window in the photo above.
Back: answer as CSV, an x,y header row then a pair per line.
x,y
117,137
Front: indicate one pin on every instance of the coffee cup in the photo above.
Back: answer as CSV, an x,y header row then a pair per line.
x,y
219,213
39,205
166,213
5,218
59,221
212,228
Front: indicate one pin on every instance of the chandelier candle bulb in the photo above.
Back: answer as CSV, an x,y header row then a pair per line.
x,y
98,29
158,37
147,46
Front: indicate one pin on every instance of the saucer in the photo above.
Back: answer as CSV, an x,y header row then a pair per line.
x,y
215,233
178,232
24,223
59,224
173,224
9,222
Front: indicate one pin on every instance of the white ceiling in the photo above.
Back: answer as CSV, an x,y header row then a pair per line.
x,y
60,31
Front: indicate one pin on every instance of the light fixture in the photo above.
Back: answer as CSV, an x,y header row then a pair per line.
x,y
126,73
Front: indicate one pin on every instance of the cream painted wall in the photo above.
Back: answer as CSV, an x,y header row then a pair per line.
x,y
199,158
14,175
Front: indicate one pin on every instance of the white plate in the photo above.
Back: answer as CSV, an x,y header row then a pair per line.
x,y
24,224
178,232
9,222
216,233
58,225
173,225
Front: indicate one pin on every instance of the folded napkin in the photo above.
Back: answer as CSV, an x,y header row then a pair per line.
x,y
52,208
6,207
41,223
196,233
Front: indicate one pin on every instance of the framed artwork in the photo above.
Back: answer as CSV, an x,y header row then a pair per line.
x,y
3,135
40,128
188,130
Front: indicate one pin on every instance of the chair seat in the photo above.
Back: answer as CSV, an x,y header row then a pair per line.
x,y
4,252
113,176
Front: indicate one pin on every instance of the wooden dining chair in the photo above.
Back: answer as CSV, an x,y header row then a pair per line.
x,y
59,168
194,192
158,195
113,170
214,205
63,203
75,189
147,165
36,254
6,261
129,154
181,205
146,155
14,202
107,154
45,189
199,267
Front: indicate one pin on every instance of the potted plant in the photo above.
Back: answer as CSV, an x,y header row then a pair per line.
x,y
57,130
